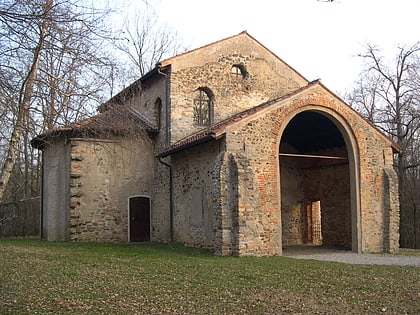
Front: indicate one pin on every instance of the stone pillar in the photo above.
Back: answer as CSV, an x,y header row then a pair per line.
x,y
225,202
391,211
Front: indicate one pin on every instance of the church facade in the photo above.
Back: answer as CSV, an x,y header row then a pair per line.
x,y
224,147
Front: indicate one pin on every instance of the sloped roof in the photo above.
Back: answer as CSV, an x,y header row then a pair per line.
x,y
217,130
118,120
163,66
119,99
135,88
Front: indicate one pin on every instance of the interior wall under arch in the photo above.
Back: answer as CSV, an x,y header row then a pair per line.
x,y
300,186
306,180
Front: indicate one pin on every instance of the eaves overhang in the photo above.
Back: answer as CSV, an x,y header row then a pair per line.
x,y
218,130
188,144
118,121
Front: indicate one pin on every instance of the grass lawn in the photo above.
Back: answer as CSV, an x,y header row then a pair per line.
x,y
38,277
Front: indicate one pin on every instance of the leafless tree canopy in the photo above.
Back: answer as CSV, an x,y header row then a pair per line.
x,y
388,94
58,62
144,41
50,72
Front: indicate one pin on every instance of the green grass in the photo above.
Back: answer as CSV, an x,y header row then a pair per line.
x,y
39,277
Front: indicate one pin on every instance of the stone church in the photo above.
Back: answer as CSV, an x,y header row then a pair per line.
x,y
224,147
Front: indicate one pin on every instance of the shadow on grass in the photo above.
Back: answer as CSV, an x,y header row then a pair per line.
x,y
147,248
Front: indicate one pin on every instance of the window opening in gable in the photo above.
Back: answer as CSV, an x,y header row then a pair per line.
x,y
238,72
202,108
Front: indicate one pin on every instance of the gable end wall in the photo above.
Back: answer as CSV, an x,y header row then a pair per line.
x,y
258,140
267,78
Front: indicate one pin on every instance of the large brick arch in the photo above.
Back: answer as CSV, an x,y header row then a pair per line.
x,y
348,134
368,224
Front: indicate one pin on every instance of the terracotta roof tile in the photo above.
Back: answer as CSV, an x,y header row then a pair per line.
x,y
116,121
215,130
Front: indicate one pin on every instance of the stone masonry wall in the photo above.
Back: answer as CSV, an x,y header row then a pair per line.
x,y
160,202
267,77
391,205
145,101
103,175
225,203
258,139
292,203
193,194
331,185
302,183
256,149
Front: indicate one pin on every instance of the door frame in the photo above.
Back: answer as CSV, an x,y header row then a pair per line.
x,y
129,212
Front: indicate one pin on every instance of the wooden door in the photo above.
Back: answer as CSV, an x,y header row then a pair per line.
x,y
139,219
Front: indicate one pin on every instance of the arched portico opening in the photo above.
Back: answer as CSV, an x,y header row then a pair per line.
x,y
318,181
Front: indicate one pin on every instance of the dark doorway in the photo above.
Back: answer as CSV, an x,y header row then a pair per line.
x,y
139,214
315,173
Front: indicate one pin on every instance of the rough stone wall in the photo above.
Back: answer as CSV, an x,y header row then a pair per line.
x,y
331,185
145,101
267,77
392,209
160,202
103,175
259,232
225,203
153,103
258,139
292,203
55,191
375,159
193,195
256,149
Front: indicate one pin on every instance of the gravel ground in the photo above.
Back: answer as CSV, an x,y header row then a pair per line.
x,y
348,257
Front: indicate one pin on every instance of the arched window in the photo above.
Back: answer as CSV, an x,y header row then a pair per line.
x,y
202,107
238,72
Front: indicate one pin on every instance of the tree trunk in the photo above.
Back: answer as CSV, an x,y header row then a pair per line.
x,y
26,93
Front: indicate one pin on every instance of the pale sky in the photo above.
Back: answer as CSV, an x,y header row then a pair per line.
x,y
318,39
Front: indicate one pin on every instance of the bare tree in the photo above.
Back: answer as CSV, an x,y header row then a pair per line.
x,y
389,96
56,66
26,89
145,41
52,71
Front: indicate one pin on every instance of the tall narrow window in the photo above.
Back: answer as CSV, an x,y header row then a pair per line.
x,y
202,107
